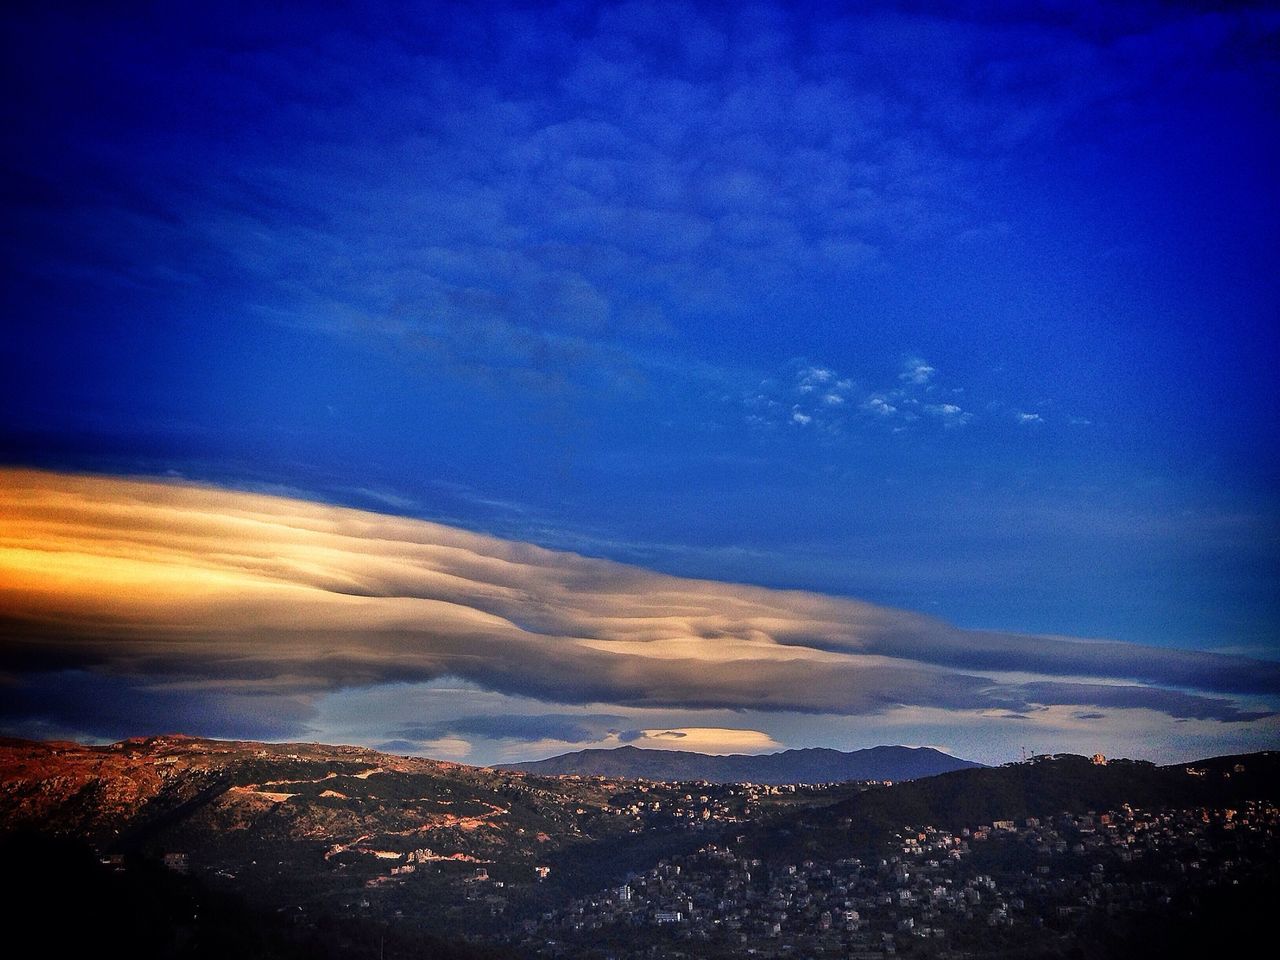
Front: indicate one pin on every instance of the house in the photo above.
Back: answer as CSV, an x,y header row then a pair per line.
x,y
177,862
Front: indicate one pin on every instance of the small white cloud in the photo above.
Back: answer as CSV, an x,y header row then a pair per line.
x,y
810,379
803,419
915,371
877,404
833,400
1030,418
948,413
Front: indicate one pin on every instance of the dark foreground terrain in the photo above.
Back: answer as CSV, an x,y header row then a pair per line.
x,y
173,846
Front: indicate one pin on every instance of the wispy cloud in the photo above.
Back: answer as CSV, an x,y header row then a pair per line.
x,y
916,372
566,188
239,595
951,414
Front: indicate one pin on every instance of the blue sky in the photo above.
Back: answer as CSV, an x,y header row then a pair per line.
x,y
962,309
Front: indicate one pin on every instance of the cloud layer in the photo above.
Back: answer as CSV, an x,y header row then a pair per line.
x,y
240,596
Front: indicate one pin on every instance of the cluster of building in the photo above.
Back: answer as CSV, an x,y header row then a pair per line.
x,y
660,804
938,890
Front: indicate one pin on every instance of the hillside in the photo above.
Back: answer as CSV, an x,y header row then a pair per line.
x,y
1046,787
151,911
815,765
347,831
282,849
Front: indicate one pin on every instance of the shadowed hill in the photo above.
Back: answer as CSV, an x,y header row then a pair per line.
x,y
1044,787
148,911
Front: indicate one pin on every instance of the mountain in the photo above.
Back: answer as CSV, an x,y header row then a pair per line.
x,y
814,765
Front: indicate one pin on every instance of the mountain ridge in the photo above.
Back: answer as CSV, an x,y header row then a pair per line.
x,y
804,765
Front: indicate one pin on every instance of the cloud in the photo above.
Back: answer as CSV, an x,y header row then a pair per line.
x,y
716,740
916,372
528,728
397,746
808,394
441,748
877,404
949,413
255,605
1174,703
512,198
811,379
518,209
98,705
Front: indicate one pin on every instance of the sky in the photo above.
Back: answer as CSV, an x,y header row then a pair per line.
x,y
724,379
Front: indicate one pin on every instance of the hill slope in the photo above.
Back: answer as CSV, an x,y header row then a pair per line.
x,y
1050,786
295,842
816,765
274,819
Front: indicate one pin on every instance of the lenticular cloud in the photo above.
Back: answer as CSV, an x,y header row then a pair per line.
x,y
233,591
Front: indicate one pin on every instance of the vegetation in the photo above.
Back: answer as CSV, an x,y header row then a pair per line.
x,y
70,904
862,824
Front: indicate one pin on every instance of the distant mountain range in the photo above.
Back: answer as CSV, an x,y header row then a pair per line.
x,y
814,765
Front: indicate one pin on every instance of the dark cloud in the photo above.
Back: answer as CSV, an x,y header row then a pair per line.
x,y
1175,703
986,650
112,708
